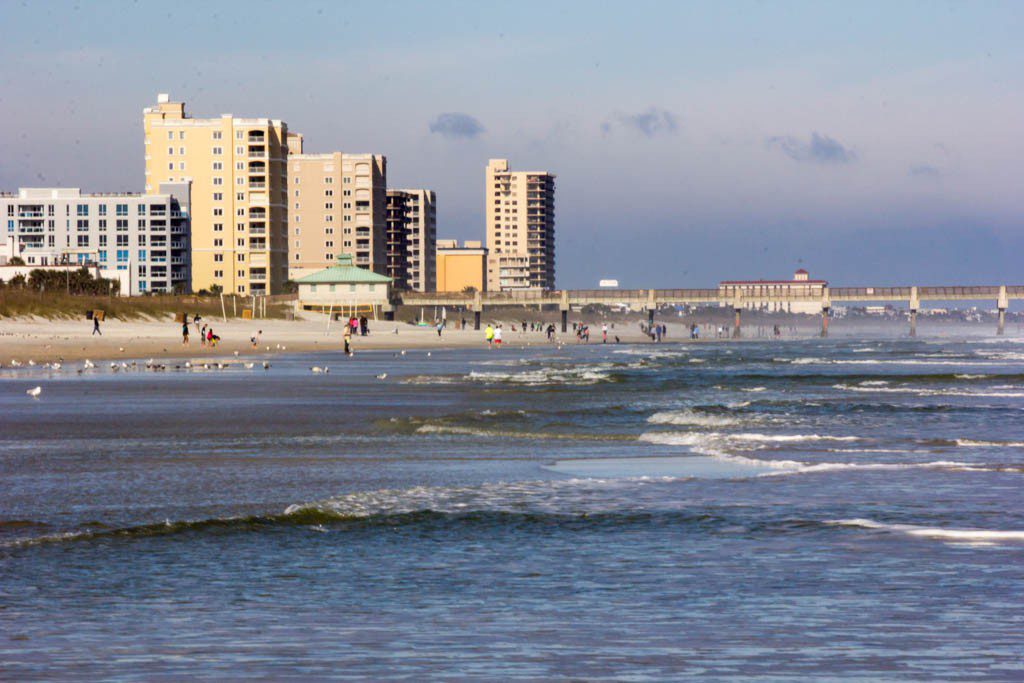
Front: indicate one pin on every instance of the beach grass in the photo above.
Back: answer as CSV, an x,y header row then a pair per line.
x,y
20,303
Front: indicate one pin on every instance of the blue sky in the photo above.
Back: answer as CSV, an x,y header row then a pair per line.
x,y
692,141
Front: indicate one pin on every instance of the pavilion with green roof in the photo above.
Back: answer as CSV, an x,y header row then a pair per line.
x,y
342,286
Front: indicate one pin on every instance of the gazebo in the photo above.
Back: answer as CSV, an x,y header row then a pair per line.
x,y
345,288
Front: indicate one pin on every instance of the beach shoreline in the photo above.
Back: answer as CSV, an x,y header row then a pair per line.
x,y
45,341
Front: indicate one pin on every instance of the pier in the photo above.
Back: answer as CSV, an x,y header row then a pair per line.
x,y
652,299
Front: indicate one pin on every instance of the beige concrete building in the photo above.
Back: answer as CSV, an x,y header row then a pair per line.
x,y
336,205
238,172
520,214
412,239
461,267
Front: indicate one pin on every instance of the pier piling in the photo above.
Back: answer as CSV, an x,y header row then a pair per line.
x,y
736,325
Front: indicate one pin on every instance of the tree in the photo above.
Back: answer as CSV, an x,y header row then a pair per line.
x,y
469,289
290,287
16,261
216,290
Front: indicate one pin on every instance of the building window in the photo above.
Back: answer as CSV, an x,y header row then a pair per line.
x,y
218,227
217,258
122,209
83,240
142,254
103,210
216,135
83,210
241,258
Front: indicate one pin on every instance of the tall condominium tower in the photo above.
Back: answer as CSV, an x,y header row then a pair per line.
x,y
412,239
238,172
520,212
336,205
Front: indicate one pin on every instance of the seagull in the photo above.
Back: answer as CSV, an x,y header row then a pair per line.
x,y
188,364
403,352
89,365
266,365
149,363
318,370
382,375
249,366
55,366
15,363
31,362
428,354
34,393
236,354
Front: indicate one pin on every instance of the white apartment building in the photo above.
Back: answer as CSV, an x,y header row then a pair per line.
x,y
140,239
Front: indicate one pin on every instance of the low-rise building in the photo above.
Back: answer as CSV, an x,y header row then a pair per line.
x,y
142,240
461,267
344,286
755,294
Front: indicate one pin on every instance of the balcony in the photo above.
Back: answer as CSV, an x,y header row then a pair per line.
x,y
257,138
257,277
30,214
257,185
257,230
257,153
178,260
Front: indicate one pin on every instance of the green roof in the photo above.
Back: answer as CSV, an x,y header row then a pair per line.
x,y
344,272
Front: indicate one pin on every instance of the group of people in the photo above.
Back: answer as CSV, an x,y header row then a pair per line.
x,y
656,332
492,334
207,337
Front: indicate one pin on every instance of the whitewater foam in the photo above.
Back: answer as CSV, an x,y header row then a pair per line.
x,y
974,536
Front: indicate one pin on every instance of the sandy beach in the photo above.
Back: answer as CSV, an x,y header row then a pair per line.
x,y
50,340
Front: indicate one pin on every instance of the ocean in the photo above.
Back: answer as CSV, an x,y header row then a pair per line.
x,y
818,509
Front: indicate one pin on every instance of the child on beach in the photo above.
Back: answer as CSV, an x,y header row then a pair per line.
x,y
184,332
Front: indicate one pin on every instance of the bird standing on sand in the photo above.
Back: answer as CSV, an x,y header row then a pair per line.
x,y
382,375
34,393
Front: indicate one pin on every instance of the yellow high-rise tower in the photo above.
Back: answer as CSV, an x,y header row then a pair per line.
x,y
239,175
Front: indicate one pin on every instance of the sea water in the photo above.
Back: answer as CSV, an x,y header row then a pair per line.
x,y
781,510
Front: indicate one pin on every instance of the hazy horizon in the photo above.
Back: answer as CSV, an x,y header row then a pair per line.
x,y
873,144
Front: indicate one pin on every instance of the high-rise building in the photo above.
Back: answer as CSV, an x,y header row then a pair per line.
x,y
142,240
520,213
239,193
412,239
461,268
336,205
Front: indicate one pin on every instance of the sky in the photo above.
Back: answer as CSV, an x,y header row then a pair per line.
x,y
868,142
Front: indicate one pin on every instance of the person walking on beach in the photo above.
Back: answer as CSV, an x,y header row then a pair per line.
x,y
195,321
96,325
439,326
184,332
497,336
255,338
347,338
489,335
202,336
364,326
604,333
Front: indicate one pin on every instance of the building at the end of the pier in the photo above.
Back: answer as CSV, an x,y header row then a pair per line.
x,y
771,295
